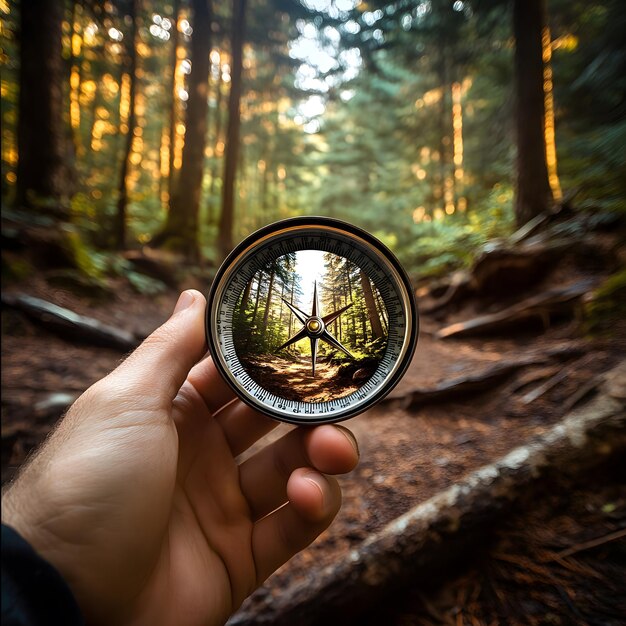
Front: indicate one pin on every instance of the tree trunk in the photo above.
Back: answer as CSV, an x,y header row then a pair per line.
x,y
291,315
131,64
363,328
445,121
173,96
255,311
351,311
268,302
43,172
218,132
382,311
533,194
181,228
244,301
372,313
225,242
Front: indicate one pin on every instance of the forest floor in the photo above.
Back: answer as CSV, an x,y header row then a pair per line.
x,y
406,457
292,378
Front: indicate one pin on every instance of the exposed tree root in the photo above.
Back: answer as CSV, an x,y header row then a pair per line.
x,y
69,325
560,301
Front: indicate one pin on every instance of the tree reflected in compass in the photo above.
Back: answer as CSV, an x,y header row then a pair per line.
x,y
315,327
310,326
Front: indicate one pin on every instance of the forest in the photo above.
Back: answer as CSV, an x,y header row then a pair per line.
x,y
266,324
294,120
482,141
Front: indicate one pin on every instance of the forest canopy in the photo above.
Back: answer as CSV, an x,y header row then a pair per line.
x,y
184,125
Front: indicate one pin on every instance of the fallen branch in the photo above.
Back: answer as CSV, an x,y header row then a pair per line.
x,y
540,307
552,382
420,545
486,380
593,543
70,325
462,386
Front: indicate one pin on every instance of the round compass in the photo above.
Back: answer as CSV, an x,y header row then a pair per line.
x,y
311,320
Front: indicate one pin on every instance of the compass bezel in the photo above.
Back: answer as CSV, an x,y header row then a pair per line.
x,y
264,236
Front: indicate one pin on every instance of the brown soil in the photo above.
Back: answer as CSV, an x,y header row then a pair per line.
x,y
405,457
561,562
293,379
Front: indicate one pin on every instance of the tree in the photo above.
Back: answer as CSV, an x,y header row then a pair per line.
x,y
131,69
370,303
173,96
532,188
43,171
181,229
225,242
268,300
216,140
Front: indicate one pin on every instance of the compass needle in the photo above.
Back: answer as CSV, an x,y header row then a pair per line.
x,y
301,334
314,342
331,317
328,338
316,303
322,275
296,311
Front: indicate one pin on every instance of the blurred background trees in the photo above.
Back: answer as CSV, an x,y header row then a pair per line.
x,y
186,124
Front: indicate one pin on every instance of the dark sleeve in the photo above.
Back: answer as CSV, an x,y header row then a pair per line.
x,y
33,592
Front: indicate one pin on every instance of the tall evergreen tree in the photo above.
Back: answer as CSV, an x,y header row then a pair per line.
x,y
44,172
181,229
231,157
131,71
532,188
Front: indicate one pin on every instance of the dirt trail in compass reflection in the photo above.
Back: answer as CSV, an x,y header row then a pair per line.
x,y
292,379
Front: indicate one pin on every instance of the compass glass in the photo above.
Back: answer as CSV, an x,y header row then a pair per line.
x,y
310,326
311,320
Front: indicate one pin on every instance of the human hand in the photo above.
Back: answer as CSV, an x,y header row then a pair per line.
x,y
138,499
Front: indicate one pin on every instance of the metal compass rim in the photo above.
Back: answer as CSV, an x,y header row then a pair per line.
x,y
353,232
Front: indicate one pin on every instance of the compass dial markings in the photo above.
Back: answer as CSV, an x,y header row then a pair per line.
x,y
342,246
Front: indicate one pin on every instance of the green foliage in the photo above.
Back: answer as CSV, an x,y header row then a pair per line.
x,y
87,260
445,245
115,265
145,285
384,155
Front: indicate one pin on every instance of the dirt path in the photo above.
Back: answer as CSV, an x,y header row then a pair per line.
x,y
406,457
294,380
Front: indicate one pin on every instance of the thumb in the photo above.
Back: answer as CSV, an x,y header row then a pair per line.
x,y
159,366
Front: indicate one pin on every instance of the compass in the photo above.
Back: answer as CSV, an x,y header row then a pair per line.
x,y
311,320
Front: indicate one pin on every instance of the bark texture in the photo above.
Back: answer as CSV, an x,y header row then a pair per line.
x,y
131,70
226,242
173,97
533,194
370,303
43,170
181,230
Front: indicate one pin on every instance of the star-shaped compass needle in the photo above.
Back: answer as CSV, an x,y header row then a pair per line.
x,y
315,327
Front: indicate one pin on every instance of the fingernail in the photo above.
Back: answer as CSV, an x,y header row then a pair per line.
x,y
185,300
350,437
315,479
